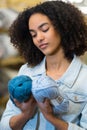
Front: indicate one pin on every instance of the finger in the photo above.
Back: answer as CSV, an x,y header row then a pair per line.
x,y
17,102
40,104
32,100
47,101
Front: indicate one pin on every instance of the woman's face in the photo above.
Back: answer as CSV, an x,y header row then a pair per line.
x,y
44,36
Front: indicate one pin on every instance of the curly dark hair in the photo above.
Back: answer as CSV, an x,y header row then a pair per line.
x,y
66,19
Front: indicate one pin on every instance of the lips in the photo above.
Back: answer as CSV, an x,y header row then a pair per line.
x,y
43,46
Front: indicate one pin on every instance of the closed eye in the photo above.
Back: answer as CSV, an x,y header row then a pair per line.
x,y
43,27
45,30
33,34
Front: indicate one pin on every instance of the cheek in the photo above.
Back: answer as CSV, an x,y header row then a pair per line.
x,y
57,38
34,41
52,36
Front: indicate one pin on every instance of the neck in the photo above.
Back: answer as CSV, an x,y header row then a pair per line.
x,y
56,65
56,61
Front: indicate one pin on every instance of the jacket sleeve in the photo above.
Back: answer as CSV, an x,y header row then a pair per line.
x,y
10,110
75,127
83,121
8,113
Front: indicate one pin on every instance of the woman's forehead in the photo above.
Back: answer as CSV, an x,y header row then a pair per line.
x,y
38,19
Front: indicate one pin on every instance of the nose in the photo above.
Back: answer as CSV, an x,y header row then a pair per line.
x,y
40,37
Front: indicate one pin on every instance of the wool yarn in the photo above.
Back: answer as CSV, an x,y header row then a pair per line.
x,y
20,88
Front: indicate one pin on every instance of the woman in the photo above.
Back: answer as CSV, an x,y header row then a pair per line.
x,y
51,36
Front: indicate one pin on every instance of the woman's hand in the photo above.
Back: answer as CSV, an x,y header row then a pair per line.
x,y
28,110
46,109
27,107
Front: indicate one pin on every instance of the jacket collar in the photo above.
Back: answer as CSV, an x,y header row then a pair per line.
x,y
69,77
39,69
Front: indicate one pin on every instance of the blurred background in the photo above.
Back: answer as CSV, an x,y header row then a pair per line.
x,y
10,60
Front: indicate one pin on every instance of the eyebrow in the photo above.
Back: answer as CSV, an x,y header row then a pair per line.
x,y
31,30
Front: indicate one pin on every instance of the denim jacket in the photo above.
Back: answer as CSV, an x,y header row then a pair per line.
x,y
73,85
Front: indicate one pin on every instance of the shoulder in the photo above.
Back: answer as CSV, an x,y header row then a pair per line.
x,y
32,71
82,78
23,68
80,65
84,68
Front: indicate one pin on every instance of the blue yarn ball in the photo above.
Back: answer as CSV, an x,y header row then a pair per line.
x,y
20,88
